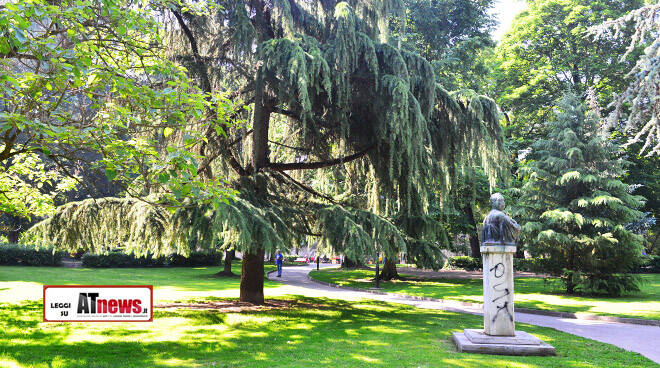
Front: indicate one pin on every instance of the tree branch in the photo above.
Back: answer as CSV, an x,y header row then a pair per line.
x,y
321,164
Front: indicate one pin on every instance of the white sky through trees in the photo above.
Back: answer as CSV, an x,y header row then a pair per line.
x,y
505,11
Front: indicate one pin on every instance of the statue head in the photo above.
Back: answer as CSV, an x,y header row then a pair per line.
x,y
497,201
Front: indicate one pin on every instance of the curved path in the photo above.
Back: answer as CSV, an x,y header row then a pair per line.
x,y
638,338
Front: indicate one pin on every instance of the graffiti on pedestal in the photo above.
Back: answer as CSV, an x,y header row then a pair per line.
x,y
498,271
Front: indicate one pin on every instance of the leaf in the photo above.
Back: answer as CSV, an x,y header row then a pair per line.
x,y
168,132
110,173
163,178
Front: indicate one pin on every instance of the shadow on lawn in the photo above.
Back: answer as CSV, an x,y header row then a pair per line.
x,y
322,333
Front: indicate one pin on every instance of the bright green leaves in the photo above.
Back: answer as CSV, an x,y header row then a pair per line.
x,y
95,77
30,187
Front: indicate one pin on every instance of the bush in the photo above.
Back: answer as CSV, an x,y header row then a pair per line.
x,y
21,255
528,264
118,259
465,263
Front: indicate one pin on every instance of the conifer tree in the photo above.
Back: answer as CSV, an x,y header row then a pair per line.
x,y
346,134
576,207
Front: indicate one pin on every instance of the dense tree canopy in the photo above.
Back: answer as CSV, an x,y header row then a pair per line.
x,y
546,51
335,111
453,35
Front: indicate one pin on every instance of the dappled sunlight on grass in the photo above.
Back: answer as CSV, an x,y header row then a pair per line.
x,y
536,293
18,283
315,331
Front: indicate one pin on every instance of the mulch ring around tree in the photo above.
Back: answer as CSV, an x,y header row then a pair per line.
x,y
235,306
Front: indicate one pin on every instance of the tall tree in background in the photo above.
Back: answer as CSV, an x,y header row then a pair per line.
x,y
642,93
455,37
330,99
452,35
545,52
576,208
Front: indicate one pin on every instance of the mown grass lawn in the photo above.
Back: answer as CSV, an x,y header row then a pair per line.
x,y
316,333
18,283
535,293
310,332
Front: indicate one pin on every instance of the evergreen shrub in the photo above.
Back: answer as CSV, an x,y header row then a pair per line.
x,y
576,209
21,255
465,263
118,260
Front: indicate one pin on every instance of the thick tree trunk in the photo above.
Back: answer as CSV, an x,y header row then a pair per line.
x,y
252,278
12,236
389,270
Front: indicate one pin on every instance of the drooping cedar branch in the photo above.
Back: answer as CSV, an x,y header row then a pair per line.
x,y
319,164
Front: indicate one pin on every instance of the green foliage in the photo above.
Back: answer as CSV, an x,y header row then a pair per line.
x,y
89,79
576,208
453,35
465,263
118,259
545,53
95,225
649,263
21,255
642,93
29,188
528,264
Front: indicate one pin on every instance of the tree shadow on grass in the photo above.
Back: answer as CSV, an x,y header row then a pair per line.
x,y
316,332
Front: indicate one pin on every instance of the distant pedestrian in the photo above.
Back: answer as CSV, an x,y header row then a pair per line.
x,y
278,261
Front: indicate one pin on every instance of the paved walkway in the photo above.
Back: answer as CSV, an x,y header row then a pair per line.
x,y
638,338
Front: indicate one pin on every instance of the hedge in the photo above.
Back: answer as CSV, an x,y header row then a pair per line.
x,y
21,255
465,263
472,264
118,259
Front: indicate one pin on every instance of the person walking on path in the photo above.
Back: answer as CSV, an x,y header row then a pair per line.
x,y
278,261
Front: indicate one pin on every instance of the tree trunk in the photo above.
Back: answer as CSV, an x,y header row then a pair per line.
x,y
12,235
474,235
389,270
229,257
252,278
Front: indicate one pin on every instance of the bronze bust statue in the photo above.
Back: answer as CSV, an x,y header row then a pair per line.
x,y
498,227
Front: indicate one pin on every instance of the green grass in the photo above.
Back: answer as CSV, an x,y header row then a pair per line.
x,y
534,293
18,283
314,332
328,333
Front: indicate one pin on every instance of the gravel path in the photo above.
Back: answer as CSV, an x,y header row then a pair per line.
x,y
638,338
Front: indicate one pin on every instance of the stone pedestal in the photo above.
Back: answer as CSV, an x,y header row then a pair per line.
x,y
522,343
499,335
498,289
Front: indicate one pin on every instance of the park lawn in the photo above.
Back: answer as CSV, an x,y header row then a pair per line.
x,y
18,283
309,332
536,293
